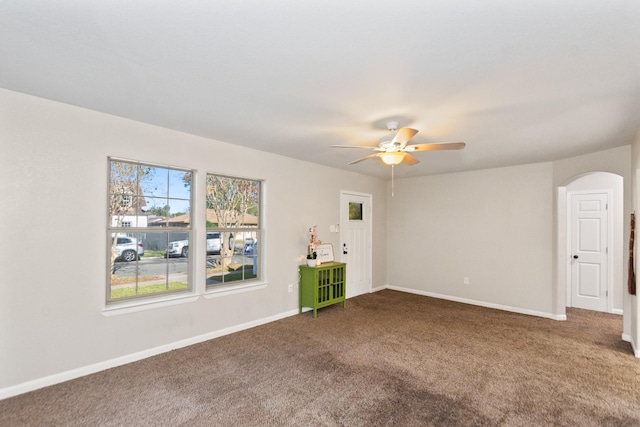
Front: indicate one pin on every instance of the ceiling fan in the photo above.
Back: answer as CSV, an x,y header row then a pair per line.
x,y
393,149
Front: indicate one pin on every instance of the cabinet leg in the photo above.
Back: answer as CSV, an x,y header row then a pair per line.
x,y
315,313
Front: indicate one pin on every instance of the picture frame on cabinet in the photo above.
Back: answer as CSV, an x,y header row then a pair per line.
x,y
325,252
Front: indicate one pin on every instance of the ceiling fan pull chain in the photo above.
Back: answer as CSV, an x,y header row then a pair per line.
x,y
392,167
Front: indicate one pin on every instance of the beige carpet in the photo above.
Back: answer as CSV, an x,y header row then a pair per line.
x,y
388,359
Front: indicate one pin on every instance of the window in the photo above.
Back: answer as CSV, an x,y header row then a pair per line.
x,y
125,201
233,207
355,211
149,210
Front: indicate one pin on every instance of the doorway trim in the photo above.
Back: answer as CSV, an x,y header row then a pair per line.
x,y
591,182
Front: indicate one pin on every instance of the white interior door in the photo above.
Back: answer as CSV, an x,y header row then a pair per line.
x,y
355,235
589,251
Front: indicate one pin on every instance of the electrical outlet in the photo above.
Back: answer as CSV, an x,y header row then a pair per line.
x,y
290,287
465,281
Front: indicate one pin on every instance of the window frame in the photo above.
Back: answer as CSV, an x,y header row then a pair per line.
x,y
126,228
257,233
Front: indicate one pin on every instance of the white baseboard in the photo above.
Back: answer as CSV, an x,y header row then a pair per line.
x,y
634,347
482,303
134,357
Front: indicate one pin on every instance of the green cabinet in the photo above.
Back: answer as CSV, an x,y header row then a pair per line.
x,y
323,285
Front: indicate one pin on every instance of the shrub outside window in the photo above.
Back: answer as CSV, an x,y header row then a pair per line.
x,y
149,207
233,207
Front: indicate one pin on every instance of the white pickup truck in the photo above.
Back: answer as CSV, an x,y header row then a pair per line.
x,y
181,247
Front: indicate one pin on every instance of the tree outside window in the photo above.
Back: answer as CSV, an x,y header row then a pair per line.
x,y
233,208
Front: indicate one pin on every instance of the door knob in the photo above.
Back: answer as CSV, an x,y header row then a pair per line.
x,y
575,257
344,249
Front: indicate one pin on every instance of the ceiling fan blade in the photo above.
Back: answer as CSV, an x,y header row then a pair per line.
x,y
438,146
404,135
370,156
363,147
410,160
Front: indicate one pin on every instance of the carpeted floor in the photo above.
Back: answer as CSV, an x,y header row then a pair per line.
x,y
388,359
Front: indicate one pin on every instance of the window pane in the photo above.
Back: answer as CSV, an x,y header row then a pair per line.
x,y
233,221
123,192
355,211
179,207
232,202
168,190
148,273
157,210
178,245
156,183
242,265
180,184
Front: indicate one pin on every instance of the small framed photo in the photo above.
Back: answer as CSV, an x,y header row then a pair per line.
x,y
325,252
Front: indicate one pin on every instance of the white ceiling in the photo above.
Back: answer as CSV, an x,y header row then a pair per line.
x,y
518,81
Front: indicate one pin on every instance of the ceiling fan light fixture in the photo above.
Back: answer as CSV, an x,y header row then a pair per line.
x,y
393,158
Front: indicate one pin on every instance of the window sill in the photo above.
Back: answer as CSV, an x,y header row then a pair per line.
x,y
224,290
148,304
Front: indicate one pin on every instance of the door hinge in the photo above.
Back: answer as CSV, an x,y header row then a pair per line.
x,y
606,206
606,250
606,293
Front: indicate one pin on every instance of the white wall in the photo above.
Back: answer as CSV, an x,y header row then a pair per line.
x,y
498,227
53,181
493,226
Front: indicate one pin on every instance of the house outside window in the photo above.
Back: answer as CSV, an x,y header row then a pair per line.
x,y
125,201
142,200
233,212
